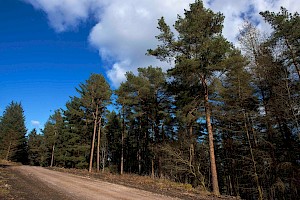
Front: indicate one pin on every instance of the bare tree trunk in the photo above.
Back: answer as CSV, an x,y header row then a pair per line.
x,y
259,189
122,145
152,168
52,154
98,145
122,155
292,104
103,158
213,166
139,153
8,151
192,149
294,60
160,166
140,160
93,140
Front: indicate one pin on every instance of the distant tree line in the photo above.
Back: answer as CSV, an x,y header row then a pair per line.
x,y
222,119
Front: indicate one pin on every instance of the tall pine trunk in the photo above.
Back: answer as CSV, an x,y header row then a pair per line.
x,y
139,160
259,189
98,145
103,158
139,153
122,144
192,149
52,154
122,155
294,59
8,151
93,140
213,166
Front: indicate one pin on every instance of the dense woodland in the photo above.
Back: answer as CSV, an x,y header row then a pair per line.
x,y
223,119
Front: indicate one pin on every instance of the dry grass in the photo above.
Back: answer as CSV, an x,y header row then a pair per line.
x,y
4,187
156,185
161,186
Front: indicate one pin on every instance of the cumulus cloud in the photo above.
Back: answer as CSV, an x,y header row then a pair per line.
x,y
126,29
35,123
236,12
63,14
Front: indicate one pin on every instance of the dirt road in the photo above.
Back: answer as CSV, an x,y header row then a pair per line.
x,y
67,186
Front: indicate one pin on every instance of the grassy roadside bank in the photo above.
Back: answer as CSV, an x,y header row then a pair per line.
x,y
156,185
14,185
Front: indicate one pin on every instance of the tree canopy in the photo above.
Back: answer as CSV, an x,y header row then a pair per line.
x,y
221,119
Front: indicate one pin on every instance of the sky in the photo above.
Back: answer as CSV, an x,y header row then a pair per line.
x,y
49,47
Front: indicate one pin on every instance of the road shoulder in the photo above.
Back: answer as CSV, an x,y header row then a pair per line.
x,y
16,185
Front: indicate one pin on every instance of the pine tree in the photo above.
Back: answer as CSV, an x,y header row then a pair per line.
x,y
95,96
145,97
199,52
34,148
52,134
276,123
124,101
115,139
286,32
284,42
77,130
13,145
134,90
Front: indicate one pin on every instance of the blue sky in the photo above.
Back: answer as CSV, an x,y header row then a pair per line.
x,y
48,47
39,67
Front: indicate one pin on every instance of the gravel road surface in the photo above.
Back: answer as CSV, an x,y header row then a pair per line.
x,y
53,184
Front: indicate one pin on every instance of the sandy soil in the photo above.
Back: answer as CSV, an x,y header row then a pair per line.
x,y
42,183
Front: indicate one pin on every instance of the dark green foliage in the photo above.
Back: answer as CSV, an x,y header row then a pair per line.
x,y
237,106
200,51
273,128
279,86
35,148
279,126
13,144
145,108
95,95
95,91
113,129
78,131
161,126
286,33
53,133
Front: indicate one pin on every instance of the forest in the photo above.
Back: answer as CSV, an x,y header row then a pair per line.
x,y
224,119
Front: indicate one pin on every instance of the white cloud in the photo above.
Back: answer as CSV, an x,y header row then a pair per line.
x,y
126,29
117,73
64,14
35,123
